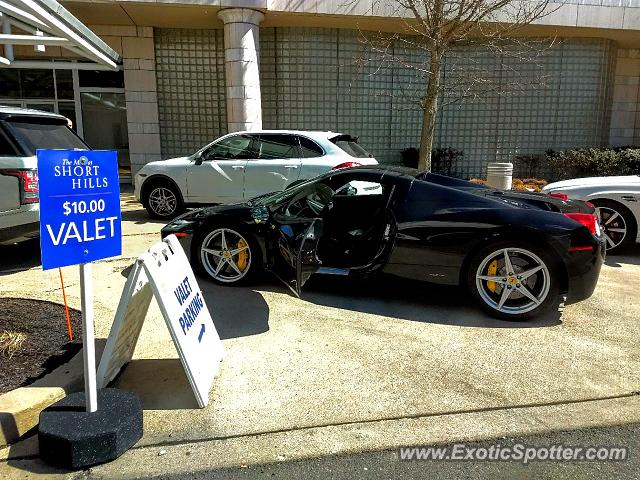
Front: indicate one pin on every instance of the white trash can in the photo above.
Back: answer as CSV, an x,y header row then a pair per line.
x,y
500,175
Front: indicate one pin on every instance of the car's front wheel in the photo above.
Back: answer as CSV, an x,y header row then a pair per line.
x,y
227,255
512,281
162,200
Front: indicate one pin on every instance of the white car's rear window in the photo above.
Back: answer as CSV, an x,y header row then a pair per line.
x,y
351,147
46,135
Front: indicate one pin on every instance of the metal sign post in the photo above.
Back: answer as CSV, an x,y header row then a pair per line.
x,y
88,337
80,222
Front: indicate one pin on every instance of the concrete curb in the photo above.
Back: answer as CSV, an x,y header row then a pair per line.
x,y
20,408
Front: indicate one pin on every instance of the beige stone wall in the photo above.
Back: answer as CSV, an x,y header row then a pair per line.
x,y
136,46
625,109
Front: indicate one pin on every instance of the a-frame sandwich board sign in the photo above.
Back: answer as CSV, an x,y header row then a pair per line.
x,y
164,272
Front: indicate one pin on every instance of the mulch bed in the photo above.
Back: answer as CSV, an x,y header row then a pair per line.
x,y
46,345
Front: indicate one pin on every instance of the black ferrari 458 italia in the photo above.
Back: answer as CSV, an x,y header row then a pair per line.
x,y
516,253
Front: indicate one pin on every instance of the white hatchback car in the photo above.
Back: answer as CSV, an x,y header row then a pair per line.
x,y
242,165
617,202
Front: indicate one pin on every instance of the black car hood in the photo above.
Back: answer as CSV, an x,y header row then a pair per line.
x,y
234,209
230,208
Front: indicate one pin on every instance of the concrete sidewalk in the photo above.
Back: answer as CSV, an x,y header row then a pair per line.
x,y
360,367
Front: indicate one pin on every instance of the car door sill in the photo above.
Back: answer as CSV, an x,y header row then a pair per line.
x,y
333,271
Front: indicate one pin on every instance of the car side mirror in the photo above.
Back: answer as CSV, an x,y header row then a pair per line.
x,y
198,159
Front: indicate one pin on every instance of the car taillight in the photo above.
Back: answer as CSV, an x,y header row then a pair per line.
x,y
28,184
589,220
346,165
561,196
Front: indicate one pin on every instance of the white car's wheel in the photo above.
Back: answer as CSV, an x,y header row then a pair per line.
x,y
162,200
618,224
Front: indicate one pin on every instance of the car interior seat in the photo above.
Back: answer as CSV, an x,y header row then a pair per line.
x,y
352,230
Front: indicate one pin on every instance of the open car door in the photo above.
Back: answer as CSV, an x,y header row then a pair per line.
x,y
296,257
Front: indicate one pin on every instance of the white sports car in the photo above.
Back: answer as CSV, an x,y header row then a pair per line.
x,y
617,201
242,165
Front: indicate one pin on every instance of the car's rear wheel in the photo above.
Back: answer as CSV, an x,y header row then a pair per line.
x,y
162,200
513,281
618,223
228,255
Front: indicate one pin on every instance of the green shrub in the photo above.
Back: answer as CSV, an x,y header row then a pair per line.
x,y
445,161
529,165
579,162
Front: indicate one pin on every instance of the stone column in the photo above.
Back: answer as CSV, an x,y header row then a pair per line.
x,y
138,57
241,45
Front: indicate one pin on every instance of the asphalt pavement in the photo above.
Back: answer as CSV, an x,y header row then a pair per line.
x,y
386,464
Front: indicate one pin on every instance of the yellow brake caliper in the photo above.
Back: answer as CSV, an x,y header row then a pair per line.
x,y
243,256
491,271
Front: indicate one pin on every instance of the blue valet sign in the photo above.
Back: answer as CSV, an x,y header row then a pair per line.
x,y
80,222
80,218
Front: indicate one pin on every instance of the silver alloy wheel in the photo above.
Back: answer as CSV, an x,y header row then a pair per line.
x,y
221,252
520,283
614,226
163,201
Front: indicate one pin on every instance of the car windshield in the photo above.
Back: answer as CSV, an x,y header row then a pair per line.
x,y
37,133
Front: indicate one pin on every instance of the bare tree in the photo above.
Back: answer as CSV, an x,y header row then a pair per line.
x,y
447,32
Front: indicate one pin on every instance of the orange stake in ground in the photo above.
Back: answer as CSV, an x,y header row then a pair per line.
x,y
66,307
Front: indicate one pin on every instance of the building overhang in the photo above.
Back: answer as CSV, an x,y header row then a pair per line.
x,y
571,18
46,23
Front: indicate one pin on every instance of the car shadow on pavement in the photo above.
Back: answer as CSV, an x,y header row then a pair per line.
x,y
630,257
408,300
236,311
132,211
140,217
19,257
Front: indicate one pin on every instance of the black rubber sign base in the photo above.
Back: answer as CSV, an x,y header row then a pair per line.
x,y
72,438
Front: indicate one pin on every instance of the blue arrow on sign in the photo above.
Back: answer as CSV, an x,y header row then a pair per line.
x,y
201,333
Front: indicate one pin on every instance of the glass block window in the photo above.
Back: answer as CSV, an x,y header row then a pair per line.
x,y
191,88
315,79
363,102
299,78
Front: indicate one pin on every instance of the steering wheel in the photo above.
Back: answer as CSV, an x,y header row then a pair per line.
x,y
299,208
312,204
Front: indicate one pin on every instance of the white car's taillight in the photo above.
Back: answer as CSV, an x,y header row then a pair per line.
x,y
561,196
346,165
